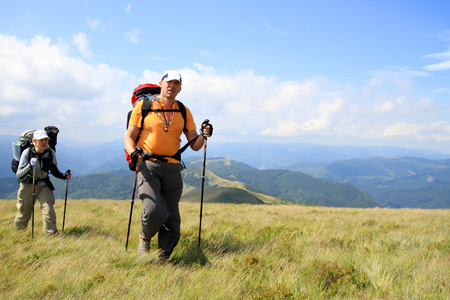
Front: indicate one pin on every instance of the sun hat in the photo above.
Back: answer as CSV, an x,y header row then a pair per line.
x,y
171,75
40,134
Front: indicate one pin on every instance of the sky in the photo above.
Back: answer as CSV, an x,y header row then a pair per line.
x,y
363,73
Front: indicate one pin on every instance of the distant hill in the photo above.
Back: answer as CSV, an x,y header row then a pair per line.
x,y
226,181
284,155
291,185
393,181
426,197
220,190
223,195
273,170
109,157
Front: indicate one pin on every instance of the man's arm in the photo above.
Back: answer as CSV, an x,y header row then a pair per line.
x,y
198,144
130,138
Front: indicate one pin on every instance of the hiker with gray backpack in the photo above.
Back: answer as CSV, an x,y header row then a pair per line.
x,y
153,142
36,161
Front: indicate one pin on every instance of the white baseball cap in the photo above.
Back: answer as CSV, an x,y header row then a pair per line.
x,y
171,75
40,135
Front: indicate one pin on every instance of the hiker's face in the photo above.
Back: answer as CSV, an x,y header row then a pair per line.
x,y
170,89
40,145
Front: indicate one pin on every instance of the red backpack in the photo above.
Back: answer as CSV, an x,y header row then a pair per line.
x,y
144,90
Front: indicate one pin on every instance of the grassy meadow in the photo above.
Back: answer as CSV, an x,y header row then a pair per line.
x,y
247,252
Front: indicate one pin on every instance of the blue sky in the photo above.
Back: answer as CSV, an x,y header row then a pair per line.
x,y
324,72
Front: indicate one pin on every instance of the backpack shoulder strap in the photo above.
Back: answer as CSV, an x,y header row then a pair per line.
x,y
47,159
146,108
51,154
128,117
181,109
146,105
183,113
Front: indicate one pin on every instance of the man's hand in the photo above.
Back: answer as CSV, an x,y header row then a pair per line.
x,y
207,129
136,156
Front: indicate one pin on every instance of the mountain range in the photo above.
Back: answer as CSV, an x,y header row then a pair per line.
x,y
395,181
341,176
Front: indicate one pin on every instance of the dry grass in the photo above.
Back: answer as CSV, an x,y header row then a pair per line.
x,y
247,252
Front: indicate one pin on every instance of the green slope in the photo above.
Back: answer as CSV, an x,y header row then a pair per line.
x,y
223,195
235,183
291,185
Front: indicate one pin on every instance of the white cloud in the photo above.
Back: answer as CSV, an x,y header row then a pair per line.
x,y
41,84
445,65
276,30
206,53
257,105
443,56
438,131
82,43
399,78
311,109
128,8
444,35
96,24
133,36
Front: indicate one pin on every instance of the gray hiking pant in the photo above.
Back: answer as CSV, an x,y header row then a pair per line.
x,y
160,188
45,196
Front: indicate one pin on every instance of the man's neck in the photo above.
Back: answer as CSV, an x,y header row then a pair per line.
x,y
167,101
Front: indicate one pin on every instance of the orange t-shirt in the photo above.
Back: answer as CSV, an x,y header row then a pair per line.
x,y
153,137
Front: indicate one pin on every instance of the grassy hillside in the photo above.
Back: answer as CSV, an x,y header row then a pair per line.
x,y
221,173
234,195
293,186
224,195
396,182
247,252
220,190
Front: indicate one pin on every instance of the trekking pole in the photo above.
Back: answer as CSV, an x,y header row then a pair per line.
x,y
65,201
203,187
132,203
131,210
34,197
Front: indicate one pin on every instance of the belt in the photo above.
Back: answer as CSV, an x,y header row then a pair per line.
x,y
46,180
30,180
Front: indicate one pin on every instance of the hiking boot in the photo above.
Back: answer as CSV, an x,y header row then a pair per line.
x,y
52,234
163,257
144,245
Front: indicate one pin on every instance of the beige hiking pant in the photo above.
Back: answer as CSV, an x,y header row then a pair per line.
x,y
45,196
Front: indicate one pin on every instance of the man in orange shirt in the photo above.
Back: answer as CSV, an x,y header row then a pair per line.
x,y
159,180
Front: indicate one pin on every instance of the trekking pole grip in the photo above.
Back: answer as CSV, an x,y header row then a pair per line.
x,y
206,122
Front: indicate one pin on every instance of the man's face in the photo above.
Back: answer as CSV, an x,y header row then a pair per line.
x,y
170,89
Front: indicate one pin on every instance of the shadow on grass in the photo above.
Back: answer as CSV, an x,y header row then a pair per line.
x,y
195,255
192,255
77,230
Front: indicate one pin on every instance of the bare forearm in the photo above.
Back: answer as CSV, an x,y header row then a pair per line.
x,y
130,138
198,144
129,144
